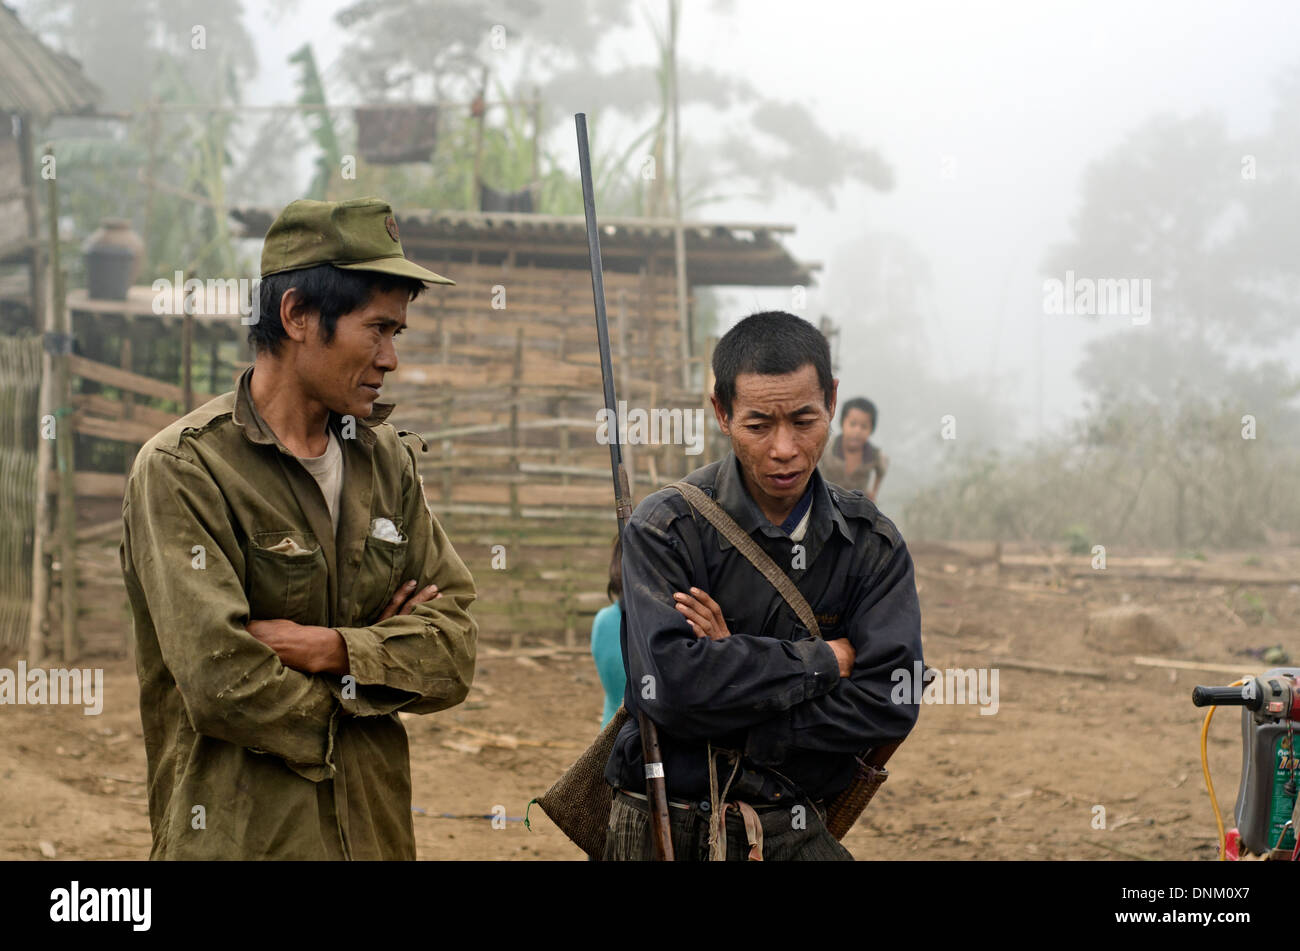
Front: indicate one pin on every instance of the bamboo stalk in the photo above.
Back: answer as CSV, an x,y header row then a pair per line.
x,y
516,636
42,301
65,438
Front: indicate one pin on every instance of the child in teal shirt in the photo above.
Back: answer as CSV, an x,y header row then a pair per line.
x,y
608,653
606,640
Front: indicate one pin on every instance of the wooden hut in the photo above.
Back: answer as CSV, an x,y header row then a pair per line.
x,y
500,375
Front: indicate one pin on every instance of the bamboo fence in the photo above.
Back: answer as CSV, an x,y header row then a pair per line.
x,y
20,380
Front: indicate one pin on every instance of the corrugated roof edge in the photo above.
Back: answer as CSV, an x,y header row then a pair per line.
x,y
735,239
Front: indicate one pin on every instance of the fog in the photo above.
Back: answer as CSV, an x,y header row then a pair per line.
x,y
988,118
973,133
1021,99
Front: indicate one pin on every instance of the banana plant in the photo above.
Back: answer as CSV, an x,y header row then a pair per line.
x,y
311,92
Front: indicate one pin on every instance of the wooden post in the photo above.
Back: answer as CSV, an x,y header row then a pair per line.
x,y
187,361
570,600
653,455
516,536
448,451
42,290
66,437
649,317
683,310
31,207
36,645
562,410
126,362
679,232
514,425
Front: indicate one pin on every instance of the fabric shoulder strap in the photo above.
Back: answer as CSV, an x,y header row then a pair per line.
x,y
746,545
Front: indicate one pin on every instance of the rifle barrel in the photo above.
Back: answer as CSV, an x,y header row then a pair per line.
x,y
656,789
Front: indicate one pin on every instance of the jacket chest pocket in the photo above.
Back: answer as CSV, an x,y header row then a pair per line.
x,y
382,568
287,577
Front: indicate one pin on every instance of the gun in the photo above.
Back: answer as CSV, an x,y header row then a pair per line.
x,y
656,789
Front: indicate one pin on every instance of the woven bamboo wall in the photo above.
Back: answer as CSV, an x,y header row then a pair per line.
x,y
501,375
20,379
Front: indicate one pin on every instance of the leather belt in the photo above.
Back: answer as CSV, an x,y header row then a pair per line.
x,y
688,803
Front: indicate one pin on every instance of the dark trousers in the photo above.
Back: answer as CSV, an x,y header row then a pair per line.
x,y
790,833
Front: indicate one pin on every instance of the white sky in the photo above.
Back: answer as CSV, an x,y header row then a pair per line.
x,y
1021,98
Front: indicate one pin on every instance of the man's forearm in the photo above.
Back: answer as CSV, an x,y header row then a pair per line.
x,y
703,687
303,647
414,668
696,686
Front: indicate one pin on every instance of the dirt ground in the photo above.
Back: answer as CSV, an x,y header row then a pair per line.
x,y
1020,783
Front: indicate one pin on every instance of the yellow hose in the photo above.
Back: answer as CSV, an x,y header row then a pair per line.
x,y
1209,784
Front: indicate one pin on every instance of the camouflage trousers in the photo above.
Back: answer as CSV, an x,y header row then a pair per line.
x,y
791,833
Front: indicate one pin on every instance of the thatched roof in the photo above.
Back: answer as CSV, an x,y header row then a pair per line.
x,y
36,80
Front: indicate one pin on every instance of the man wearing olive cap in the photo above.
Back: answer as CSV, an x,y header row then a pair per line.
x,y
290,589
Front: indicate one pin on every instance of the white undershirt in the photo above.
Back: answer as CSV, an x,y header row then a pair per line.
x,y
327,470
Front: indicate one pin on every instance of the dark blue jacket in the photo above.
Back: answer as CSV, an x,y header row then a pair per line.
x,y
770,690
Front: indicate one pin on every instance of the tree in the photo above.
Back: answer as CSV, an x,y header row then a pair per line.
x,y
1189,426
178,52
1172,206
1186,207
556,47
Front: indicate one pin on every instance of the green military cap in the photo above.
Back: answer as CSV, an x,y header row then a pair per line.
x,y
357,235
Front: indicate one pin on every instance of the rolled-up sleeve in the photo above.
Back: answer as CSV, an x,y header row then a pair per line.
x,y
180,554
420,662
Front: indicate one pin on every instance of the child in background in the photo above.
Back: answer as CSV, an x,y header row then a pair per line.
x,y
606,644
851,461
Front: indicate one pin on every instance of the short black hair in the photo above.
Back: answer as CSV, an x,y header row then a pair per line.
x,y
325,288
860,403
772,343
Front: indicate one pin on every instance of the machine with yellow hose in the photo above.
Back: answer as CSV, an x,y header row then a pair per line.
x,y
1267,812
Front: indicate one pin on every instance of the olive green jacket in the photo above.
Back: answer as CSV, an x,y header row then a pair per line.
x,y
247,758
